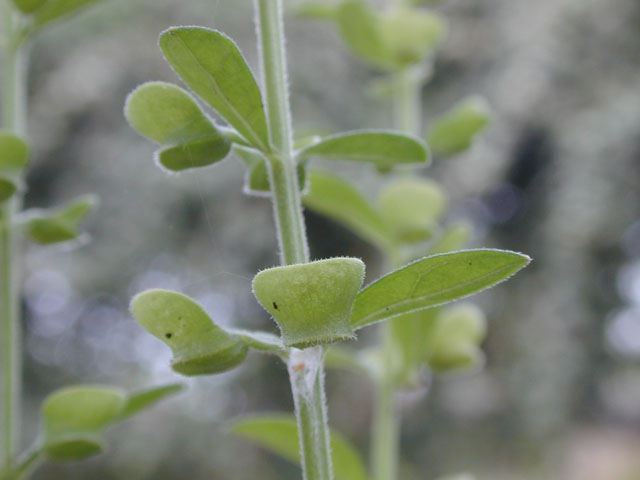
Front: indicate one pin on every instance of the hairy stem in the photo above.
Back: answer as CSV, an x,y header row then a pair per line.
x,y
14,120
306,368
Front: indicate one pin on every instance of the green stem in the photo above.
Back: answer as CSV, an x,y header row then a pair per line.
x,y
14,120
306,367
385,441
282,172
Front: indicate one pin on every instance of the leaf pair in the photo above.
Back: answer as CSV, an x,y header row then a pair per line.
x,y
14,154
61,225
199,346
406,211
394,39
74,418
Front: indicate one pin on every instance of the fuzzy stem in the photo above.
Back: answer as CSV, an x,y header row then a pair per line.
x,y
14,120
306,369
282,164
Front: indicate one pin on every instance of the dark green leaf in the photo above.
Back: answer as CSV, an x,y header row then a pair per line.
x,y
211,64
7,189
334,197
381,148
14,152
194,154
279,434
434,281
456,130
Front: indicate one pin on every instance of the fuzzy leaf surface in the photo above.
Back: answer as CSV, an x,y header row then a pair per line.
x,y
213,67
434,281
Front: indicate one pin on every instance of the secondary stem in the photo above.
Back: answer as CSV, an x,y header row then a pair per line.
x,y
13,118
385,434
306,369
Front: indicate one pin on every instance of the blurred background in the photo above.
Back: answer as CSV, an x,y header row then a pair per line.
x,y
556,176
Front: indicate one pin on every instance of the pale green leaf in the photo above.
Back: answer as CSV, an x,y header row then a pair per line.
x,y
257,176
360,28
261,341
29,6
7,189
453,238
456,130
211,64
141,400
74,418
411,207
434,281
334,197
380,148
279,434
317,11
311,302
55,9
410,35
194,154
199,346
62,224
14,152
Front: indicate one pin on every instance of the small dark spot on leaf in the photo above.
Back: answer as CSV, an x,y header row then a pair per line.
x,y
275,305
168,334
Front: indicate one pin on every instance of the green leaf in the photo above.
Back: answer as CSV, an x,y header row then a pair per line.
x,y
455,339
62,224
261,341
317,11
211,64
7,189
279,434
360,28
14,152
199,346
74,418
411,207
257,176
456,130
311,302
334,197
434,281
410,35
453,238
170,116
29,6
381,148
55,9
141,400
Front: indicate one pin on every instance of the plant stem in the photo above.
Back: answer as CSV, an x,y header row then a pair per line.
x,y
306,369
14,120
282,172
385,441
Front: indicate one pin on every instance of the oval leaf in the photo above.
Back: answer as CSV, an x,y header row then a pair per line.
x,y
199,346
434,281
55,9
311,302
7,189
14,152
334,197
380,148
279,434
74,418
211,64
360,28
195,154
456,130
62,224
411,207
